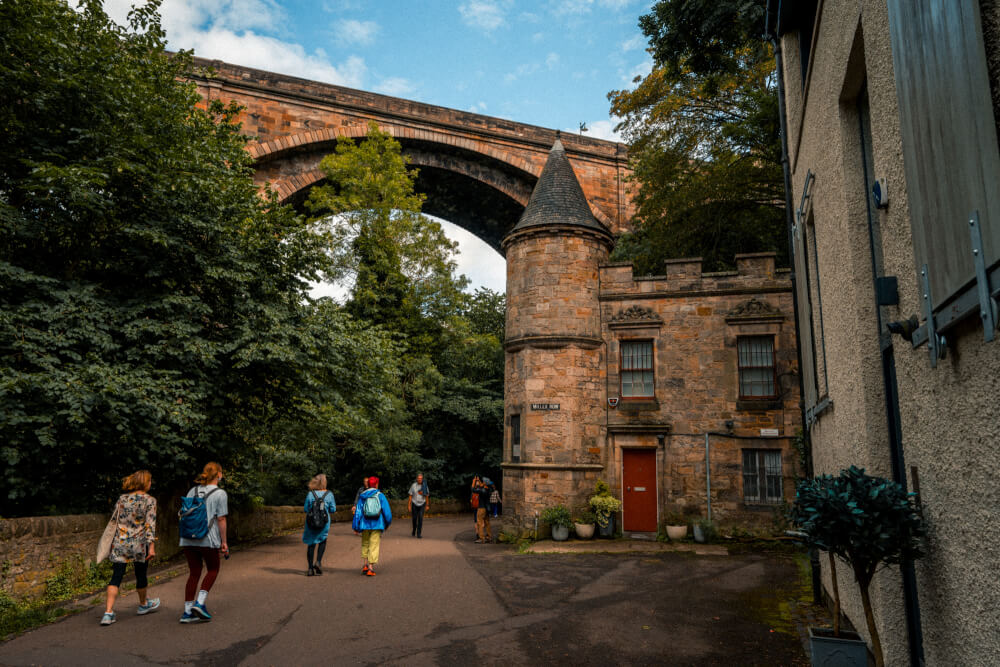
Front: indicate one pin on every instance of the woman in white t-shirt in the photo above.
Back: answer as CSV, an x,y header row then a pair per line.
x,y
208,548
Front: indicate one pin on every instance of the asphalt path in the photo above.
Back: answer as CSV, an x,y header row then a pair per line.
x,y
443,600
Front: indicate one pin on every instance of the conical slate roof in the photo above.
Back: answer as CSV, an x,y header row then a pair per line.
x,y
558,198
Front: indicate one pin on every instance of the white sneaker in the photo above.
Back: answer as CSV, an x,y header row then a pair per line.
x,y
108,618
152,604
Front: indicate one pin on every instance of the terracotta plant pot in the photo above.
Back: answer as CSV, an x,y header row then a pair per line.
x,y
584,531
677,532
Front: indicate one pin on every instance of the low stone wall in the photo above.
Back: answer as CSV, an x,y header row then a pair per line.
x,y
32,549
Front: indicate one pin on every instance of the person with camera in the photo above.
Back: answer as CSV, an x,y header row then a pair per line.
x,y
481,491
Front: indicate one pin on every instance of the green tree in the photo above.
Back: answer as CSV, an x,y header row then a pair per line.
x,y
154,310
703,134
401,263
404,281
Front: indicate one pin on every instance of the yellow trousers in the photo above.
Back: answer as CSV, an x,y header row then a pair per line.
x,y
370,542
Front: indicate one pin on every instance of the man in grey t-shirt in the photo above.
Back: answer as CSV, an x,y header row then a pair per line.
x,y
417,504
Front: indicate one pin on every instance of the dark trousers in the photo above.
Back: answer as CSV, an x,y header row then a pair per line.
x,y
118,571
417,515
312,549
195,556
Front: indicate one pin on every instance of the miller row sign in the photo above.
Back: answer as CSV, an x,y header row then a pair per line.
x,y
544,406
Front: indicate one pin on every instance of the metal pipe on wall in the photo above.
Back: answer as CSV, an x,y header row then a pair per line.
x,y
708,478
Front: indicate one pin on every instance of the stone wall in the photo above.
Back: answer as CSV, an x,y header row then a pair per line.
x,y
297,121
948,415
694,321
33,548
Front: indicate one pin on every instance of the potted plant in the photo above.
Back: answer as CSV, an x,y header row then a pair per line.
x,y
604,506
559,519
704,530
676,525
867,522
584,523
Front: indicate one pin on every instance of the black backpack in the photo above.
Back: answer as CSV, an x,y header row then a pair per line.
x,y
317,516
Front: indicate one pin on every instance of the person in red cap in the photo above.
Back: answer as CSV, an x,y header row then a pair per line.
x,y
372,515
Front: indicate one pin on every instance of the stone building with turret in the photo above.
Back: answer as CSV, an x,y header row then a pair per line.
x,y
680,390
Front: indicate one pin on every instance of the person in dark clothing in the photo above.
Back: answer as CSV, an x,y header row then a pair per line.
x,y
483,533
419,499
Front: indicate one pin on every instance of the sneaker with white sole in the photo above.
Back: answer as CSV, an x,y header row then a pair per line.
x,y
188,617
108,618
152,604
199,609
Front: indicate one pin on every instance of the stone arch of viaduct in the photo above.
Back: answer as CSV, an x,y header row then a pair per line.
x,y
477,171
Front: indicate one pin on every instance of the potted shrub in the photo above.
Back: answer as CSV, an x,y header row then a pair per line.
x,y
604,506
676,525
704,530
559,519
584,523
867,522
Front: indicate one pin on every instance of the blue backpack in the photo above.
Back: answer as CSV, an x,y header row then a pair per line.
x,y
372,507
193,516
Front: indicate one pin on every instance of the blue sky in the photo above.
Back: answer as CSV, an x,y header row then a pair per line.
x,y
547,62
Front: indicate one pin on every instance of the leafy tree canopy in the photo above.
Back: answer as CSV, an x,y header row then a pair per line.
x,y
703,134
153,307
404,277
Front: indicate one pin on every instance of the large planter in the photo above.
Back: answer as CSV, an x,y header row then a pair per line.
x,y
677,532
560,533
584,531
608,530
828,650
699,534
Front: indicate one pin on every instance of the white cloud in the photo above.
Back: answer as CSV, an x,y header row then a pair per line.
x,y
478,107
538,37
637,42
486,15
521,71
642,69
481,264
241,31
598,129
551,60
351,31
396,86
569,7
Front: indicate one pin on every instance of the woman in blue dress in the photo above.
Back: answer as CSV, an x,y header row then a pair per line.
x,y
316,537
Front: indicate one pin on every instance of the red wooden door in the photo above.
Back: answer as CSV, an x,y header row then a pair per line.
x,y
639,490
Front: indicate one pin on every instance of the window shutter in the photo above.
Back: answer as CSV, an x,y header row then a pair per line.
x,y
949,135
805,331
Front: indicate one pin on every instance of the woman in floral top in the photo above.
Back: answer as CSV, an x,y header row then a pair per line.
x,y
135,541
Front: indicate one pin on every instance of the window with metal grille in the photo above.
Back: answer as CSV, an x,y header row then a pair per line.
x,y
515,438
756,357
637,368
762,476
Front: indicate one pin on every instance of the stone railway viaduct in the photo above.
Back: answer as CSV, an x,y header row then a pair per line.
x,y
607,375
477,171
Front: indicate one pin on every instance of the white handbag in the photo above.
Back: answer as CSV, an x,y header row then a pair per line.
x,y
108,537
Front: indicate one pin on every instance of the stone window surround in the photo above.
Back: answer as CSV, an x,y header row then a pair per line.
x,y
740,368
763,503
652,369
755,318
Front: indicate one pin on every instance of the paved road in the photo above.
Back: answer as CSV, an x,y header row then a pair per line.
x,y
443,600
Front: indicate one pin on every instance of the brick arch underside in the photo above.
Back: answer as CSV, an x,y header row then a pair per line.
x,y
484,193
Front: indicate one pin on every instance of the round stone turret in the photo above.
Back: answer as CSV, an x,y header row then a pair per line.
x,y
554,386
